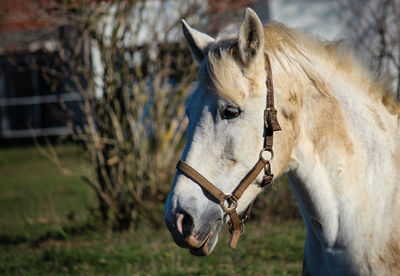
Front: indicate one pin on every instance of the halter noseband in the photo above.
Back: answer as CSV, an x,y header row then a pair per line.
x,y
228,202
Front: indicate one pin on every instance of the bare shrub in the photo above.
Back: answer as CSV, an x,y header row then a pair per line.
x,y
132,71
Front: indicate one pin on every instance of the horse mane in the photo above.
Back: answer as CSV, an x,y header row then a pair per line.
x,y
291,47
336,56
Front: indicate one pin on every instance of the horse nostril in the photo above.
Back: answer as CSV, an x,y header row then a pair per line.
x,y
179,223
184,224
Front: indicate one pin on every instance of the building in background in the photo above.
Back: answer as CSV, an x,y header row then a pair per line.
x,y
29,102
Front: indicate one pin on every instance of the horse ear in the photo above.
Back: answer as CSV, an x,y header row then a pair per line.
x,y
198,42
251,36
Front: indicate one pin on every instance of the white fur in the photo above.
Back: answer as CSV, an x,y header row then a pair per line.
x,y
339,145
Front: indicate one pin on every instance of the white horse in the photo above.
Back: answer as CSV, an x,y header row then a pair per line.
x,y
339,144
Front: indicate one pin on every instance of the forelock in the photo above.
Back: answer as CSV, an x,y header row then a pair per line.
x,y
222,71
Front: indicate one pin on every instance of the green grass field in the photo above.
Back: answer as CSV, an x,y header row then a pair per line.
x,y
46,229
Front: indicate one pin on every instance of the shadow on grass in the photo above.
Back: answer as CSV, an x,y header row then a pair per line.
x,y
59,234
6,239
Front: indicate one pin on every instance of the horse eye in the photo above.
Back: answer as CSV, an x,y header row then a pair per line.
x,y
230,112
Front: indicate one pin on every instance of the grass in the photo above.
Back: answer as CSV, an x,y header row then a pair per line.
x,y
46,229
35,196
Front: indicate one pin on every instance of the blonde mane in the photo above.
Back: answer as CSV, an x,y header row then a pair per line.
x,y
294,51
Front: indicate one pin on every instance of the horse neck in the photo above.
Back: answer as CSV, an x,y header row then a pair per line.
x,y
345,164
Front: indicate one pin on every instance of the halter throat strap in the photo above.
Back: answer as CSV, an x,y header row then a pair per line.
x,y
228,202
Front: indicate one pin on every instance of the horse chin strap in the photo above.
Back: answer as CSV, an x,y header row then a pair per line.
x,y
228,202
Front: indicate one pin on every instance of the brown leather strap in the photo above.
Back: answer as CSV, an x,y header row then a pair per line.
x,y
271,123
249,178
201,180
270,114
236,228
188,171
269,82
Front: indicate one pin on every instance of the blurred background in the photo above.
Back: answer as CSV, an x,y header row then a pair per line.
x,y
92,122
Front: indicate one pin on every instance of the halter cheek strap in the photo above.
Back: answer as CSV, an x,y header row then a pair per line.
x,y
228,202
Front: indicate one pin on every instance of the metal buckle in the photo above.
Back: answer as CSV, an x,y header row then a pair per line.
x,y
232,203
262,157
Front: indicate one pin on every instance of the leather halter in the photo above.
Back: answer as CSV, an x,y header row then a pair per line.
x,y
228,202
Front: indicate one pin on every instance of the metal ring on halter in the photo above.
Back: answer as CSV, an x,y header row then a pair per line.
x,y
262,157
232,203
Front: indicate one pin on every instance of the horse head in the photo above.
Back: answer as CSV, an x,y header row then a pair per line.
x,y
225,132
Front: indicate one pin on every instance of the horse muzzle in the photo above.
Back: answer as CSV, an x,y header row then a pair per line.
x,y
200,237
